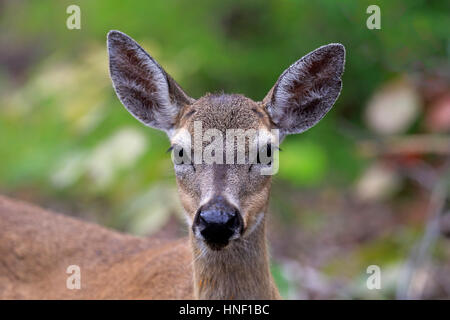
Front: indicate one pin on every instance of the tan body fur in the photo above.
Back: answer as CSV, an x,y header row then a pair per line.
x,y
37,246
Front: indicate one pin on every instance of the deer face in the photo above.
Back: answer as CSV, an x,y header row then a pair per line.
x,y
224,145
224,200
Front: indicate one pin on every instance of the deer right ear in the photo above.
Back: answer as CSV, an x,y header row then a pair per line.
x,y
307,90
142,85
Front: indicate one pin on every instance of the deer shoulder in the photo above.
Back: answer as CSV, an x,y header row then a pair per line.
x,y
37,246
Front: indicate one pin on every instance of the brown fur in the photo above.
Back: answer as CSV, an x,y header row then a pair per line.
x,y
241,270
37,246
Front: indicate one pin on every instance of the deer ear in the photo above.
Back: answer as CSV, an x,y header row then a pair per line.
x,y
307,90
142,85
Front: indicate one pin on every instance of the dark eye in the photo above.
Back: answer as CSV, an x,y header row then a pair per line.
x,y
178,154
268,152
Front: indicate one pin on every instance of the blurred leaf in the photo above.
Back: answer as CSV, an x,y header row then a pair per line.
x,y
303,162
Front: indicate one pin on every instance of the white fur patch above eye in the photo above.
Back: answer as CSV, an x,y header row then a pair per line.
x,y
182,137
268,137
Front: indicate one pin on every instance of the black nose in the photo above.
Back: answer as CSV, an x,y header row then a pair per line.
x,y
217,222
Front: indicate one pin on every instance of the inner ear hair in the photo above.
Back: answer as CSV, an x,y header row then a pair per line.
x,y
142,85
307,90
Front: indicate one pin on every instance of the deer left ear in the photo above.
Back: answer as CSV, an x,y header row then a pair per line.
x,y
307,90
142,85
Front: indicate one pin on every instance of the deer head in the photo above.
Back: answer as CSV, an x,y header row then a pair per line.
x,y
224,202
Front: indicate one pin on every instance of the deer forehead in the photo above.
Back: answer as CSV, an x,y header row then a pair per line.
x,y
222,112
226,111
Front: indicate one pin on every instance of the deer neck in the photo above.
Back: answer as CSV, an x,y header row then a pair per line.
x,y
239,271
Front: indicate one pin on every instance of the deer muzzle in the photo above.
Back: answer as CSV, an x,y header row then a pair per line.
x,y
217,223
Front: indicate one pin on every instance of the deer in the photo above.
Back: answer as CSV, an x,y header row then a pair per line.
x,y
225,255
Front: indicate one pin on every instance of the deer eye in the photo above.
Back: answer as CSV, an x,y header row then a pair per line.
x,y
266,151
179,155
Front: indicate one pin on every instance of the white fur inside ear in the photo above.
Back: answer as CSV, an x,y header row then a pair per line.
x,y
141,84
307,90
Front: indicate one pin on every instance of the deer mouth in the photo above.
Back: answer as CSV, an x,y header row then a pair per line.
x,y
216,246
217,236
